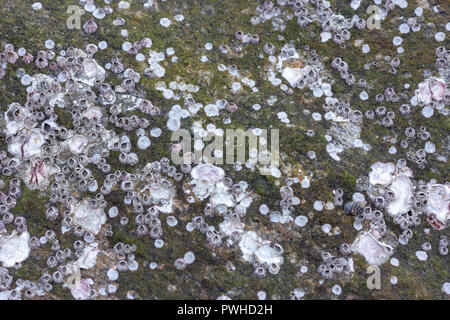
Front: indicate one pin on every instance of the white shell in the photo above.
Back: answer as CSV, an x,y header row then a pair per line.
x,y
381,173
88,218
207,172
403,190
438,202
254,248
14,248
89,257
374,251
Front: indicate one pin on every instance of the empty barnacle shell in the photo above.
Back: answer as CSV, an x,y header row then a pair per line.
x,y
90,26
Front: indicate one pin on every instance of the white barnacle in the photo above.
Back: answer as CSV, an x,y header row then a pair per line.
x,y
403,191
374,251
211,110
87,217
165,22
438,202
381,173
76,143
30,147
88,258
14,248
253,248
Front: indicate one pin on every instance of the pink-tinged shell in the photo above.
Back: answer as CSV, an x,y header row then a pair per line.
x,y
81,290
368,245
145,106
71,85
77,68
390,5
176,147
138,45
91,49
424,94
108,10
188,158
155,111
128,84
70,52
434,222
11,57
28,58
90,26
53,66
145,42
61,63
117,67
115,59
438,206
65,75
133,50
208,172
431,89
381,173
92,112
232,107
41,54
9,47
108,94
437,89
41,63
